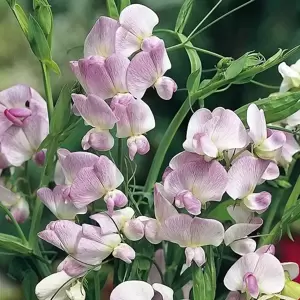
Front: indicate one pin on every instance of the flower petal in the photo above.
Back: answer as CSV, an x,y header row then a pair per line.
x,y
292,268
165,87
100,140
243,246
257,124
274,141
239,213
258,202
182,158
272,172
165,292
124,252
8,198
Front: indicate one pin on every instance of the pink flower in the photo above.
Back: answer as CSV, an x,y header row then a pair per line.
x,y
24,123
140,290
135,119
236,236
99,180
62,208
96,113
196,183
266,142
290,75
136,25
147,69
243,177
210,133
101,39
256,274
17,205
192,234
124,252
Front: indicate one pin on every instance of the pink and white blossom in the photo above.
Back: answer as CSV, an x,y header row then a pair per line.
x,y
140,290
96,113
196,183
266,142
256,274
290,75
244,175
136,25
210,133
147,69
191,234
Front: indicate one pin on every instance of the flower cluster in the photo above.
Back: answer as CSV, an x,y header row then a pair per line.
x,y
116,84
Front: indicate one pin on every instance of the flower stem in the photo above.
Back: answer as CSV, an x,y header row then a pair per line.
x,y
97,286
48,91
205,51
15,223
293,196
267,86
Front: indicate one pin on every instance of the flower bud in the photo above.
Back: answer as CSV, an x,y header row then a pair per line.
x,y
98,139
189,202
134,230
165,87
40,157
20,211
115,198
137,144
124,252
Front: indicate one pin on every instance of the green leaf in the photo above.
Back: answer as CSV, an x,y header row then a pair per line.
x,y
124,3
45,18
21,17
289,233
38,41
236,67
29,283
276,107
192,83
61,113
274,57
11,3
183,15
112,9
13,243
283,183
53,66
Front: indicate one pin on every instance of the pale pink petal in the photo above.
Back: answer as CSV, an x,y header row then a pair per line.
x,y
241,230
291,147
92,232
243,246
20,211
73,267
124,252
182,158
244,175
101,39
206,232
126,42
138,19
251,285
294,119
189,202
115,198
80,77
266,249
132,290
234,279
229,132
100,140
199,256
153,232
269,274
239,213
40,157
272,172
233,296
165,87
95,111
51,237
8,198
137,144
189,256
203,145
257,124
165,292
292,268
134,230
159,258
275,140
258,201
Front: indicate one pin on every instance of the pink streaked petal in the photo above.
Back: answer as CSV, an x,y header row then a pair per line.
x,y
258,201
243,246
115,198
240,213
257,124
137,144
234,279
126,42
73,267
134,230
100,140
124,252
92,232
149,43
266,249
20,211
288,150
275,140
101,39
132,290
51,237
182,158
244,175
241,230
203,145
189,202
251,285
95,111
153,232
139,20
80,77
269,274
206,232
165,87
272,172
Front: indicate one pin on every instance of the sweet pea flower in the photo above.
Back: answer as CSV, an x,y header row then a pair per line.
x,y
210,133
290,75
236,236
289,148
256,274
101,39
17,205
3,162
96,113
191,234
196,183
266,142
24,123
140,290
99,180
62,208
163,209
147,69
120,221
291,288
85,252
135,119
243,176
236,296
60,286
293,120
136,26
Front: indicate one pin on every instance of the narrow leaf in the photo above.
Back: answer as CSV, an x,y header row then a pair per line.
x,y
112,9
21,17
53,66
192,83
183,15
236,67
29,283
124,3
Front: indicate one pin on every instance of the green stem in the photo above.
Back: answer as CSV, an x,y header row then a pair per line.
x,y
198,286
293,196
267,86
48,90
15,223
205,51
97,286
121,149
